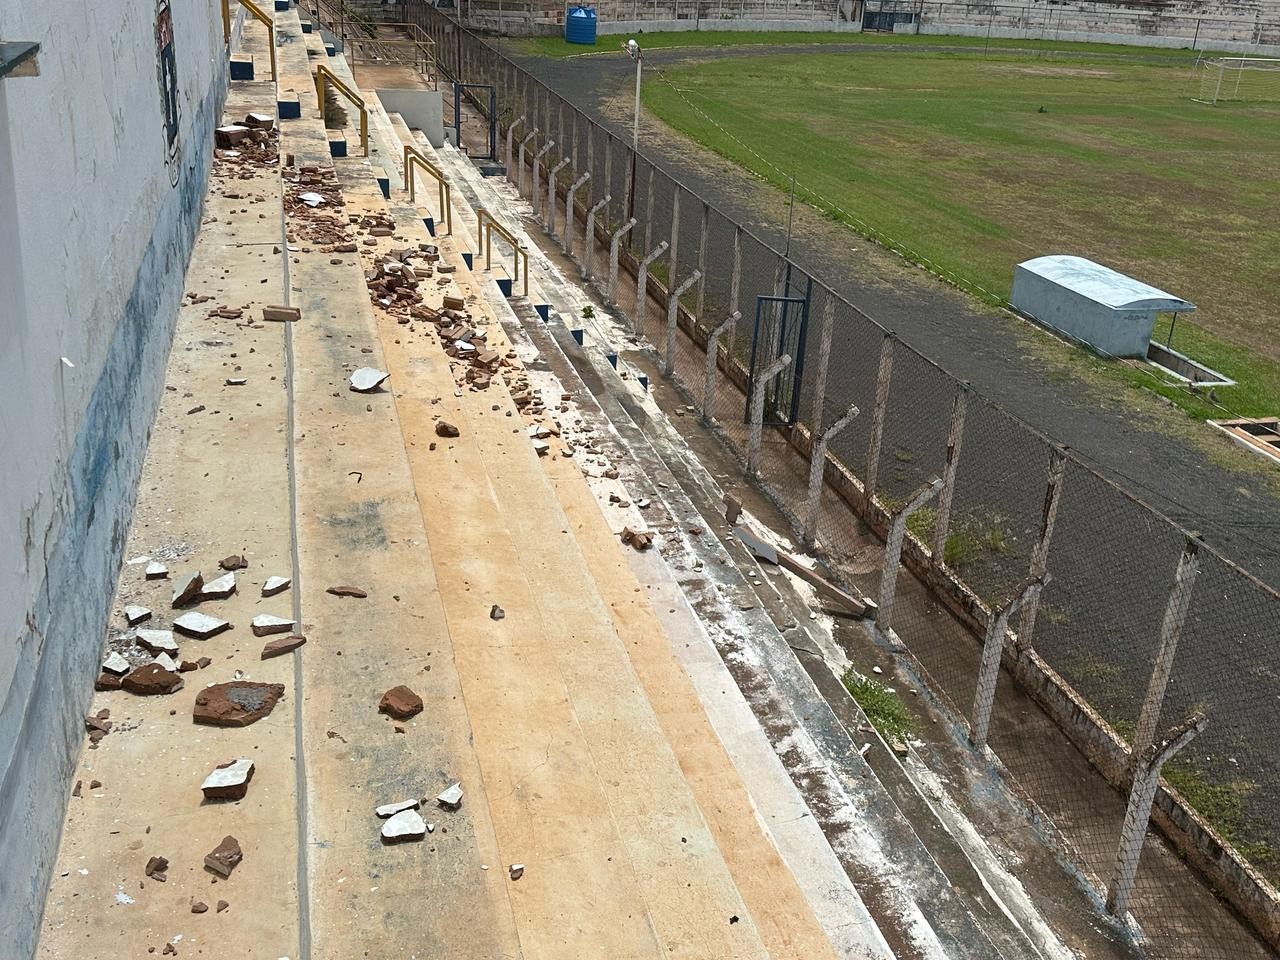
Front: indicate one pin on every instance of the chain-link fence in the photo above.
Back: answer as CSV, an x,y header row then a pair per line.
x,y
1119,631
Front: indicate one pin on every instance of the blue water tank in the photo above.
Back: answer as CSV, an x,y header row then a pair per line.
x,y
580,25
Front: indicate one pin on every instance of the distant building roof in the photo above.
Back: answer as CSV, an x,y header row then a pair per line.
x,y
1104,285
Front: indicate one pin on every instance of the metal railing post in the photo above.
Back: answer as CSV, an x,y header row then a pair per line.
x,y
942,523
709,372
759,389
613,258
1175,617
893,551
551,194
877,418
984,696
817,468
535,195
566,241
642,291
589,252
1137,814
673,316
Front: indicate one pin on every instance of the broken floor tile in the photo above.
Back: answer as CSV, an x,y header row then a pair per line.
x,y
345,591
134,614
400,703
187,588
516,871
157,641
224,857
264,625
451,797
200,625
228,781
219,589
367,378
116,663
274,585
166,661
236,704
151,679
282,645
391,809
405,825
156,570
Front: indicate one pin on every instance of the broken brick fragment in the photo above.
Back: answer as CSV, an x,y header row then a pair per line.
x,y
446,429
347,591
234,562
224,857
282,645
236,704
156,867
400,703
107,681
199,907
150,680
222,905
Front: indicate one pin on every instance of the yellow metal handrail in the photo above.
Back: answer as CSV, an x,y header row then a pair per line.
x,y
260,15
485,238
411,156
324,74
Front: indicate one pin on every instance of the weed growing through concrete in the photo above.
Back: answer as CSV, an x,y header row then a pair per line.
x,y
882,705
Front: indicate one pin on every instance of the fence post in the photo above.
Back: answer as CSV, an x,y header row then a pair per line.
x,y
520,173
877,418
759,389
702,261
1137,814
589,251
673,316
1040,552
648,210
824,361
551,194
642,292
942,526
535,194
709,372
984,696
893,551
511,135
817,466
675,234
1175,617
608,166
566,242
735,282
613,257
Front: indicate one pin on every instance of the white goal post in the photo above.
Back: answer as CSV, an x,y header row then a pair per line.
x,y
1237,79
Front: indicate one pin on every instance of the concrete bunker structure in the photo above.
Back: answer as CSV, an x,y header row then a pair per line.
x,y
1113,313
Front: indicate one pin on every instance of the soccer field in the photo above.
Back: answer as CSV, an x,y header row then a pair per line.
x,y
975,162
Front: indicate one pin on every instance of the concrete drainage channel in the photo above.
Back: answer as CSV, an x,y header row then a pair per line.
x,y
929,880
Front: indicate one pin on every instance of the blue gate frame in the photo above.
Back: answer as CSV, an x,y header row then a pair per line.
x,y
458,90
779,330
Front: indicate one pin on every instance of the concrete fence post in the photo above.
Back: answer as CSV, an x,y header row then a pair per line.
x,y
893,551
520,170
817,466
709,371
673,317
1040,552
758,389
511,139
608,168
613,257
1137,815
648,210
877,417
735,283
589,247
535,194
942,525
551,194
702,262
824,362
984,696
672,260
642,291
566,241
1175,617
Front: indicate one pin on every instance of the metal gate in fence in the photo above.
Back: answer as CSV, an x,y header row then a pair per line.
x,y
490,112
780,327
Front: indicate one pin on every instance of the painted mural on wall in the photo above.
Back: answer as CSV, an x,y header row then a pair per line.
x,y
166,66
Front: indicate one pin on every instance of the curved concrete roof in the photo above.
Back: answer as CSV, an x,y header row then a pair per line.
x,y
1104,285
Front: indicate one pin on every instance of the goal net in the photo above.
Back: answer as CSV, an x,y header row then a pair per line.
x,y
1238,79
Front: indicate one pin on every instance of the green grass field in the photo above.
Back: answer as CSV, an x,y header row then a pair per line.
x,y
972,162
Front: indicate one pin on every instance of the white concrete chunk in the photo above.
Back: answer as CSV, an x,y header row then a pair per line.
x,y
367,378
158,641
405,825
275,584
200,625
156,570
451,798
229,782
391,809
219,589
116,663
264,624
166,661
311,199
134,614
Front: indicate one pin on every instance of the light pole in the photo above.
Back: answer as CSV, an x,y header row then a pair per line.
x,y
634,52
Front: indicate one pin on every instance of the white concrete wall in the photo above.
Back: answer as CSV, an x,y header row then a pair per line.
x,y
95,231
